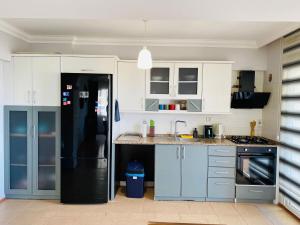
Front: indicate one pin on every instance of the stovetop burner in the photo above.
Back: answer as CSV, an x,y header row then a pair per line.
x,y
249,140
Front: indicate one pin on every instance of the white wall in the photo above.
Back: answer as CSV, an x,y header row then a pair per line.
x,y
271,113
1,133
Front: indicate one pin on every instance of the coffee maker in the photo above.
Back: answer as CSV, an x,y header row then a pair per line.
x,y
208,131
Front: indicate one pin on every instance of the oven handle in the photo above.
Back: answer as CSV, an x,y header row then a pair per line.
x,y
255,155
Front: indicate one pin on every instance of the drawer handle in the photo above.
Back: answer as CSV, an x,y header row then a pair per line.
x,y
221,172
87,70
256,191
220,150
222,183
221,161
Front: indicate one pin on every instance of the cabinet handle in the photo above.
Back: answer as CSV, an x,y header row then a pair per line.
x,y
222,183
221,161
220,150
28,97
221,172
256,191
34,97
87,70
33,131
183,152
178,152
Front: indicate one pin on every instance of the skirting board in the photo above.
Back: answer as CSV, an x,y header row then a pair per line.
x,y
147,184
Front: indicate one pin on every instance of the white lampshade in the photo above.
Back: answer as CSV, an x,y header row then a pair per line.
x,y
144,59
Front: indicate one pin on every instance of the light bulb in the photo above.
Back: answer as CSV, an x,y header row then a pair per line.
x,y
144,59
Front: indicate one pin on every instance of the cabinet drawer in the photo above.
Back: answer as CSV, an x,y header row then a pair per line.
x,y
222,150
221,172
87,65
221,161
255,192
221,188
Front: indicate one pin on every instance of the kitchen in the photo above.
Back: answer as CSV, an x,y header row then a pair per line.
x,y
207,121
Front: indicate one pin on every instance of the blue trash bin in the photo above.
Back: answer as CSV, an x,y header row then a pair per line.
x,y
135,180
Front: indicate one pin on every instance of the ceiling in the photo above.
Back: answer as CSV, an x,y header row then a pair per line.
x,y
208,10
210,23
159,32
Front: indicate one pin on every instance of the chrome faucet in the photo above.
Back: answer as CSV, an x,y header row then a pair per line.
x,y
176,132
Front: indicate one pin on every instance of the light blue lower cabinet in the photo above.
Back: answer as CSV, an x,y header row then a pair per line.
x,y
32,145
180,172
221,188
194,171
167,171
255,193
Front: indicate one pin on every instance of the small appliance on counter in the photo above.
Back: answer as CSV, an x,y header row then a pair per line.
x,y
208,131
218,130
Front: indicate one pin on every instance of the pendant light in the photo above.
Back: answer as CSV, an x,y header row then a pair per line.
x,y
145,57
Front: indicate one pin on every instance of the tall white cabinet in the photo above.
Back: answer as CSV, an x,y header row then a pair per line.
x,y
36,81
216,95
131,87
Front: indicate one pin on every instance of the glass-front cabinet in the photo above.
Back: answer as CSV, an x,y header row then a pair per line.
x,y
188,80
17,148
45,151
174,81
31,152
159,81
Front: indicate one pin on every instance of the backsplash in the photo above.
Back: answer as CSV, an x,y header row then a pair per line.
x,y
236,123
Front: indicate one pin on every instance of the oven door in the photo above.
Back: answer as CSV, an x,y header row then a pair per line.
x,y
256,169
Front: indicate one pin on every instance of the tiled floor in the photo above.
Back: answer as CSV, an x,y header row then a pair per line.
x,y
139,212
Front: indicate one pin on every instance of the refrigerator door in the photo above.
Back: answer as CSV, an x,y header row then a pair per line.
x,y
85,137
85,115
84,181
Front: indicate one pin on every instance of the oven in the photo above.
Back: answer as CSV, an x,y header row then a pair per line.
x,y
256,165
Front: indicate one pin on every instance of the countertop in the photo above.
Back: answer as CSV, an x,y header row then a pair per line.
x,y
170,140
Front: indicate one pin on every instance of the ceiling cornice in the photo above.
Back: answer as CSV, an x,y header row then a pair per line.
x,y
61,39
148,42
13,31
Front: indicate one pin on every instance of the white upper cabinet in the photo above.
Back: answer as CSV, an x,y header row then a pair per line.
x,y
22,81
188,81
74,64
46,81
36,81
160,81
131,87
174,81
216,88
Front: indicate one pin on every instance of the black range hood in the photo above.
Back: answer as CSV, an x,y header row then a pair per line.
x,y
246,98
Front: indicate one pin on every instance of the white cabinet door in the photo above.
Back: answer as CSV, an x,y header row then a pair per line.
x,y
87,65
22,81
46,81
160,81
216,88
131,87
188,80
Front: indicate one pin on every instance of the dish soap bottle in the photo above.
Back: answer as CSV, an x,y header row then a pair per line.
x,y
144,133
152,129
195,133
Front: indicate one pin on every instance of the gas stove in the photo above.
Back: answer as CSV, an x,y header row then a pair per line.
x,y
249,140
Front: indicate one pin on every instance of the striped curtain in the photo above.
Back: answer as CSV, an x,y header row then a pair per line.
x,y
289,167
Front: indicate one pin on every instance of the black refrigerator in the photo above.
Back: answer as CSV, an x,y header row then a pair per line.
x,y
85,137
